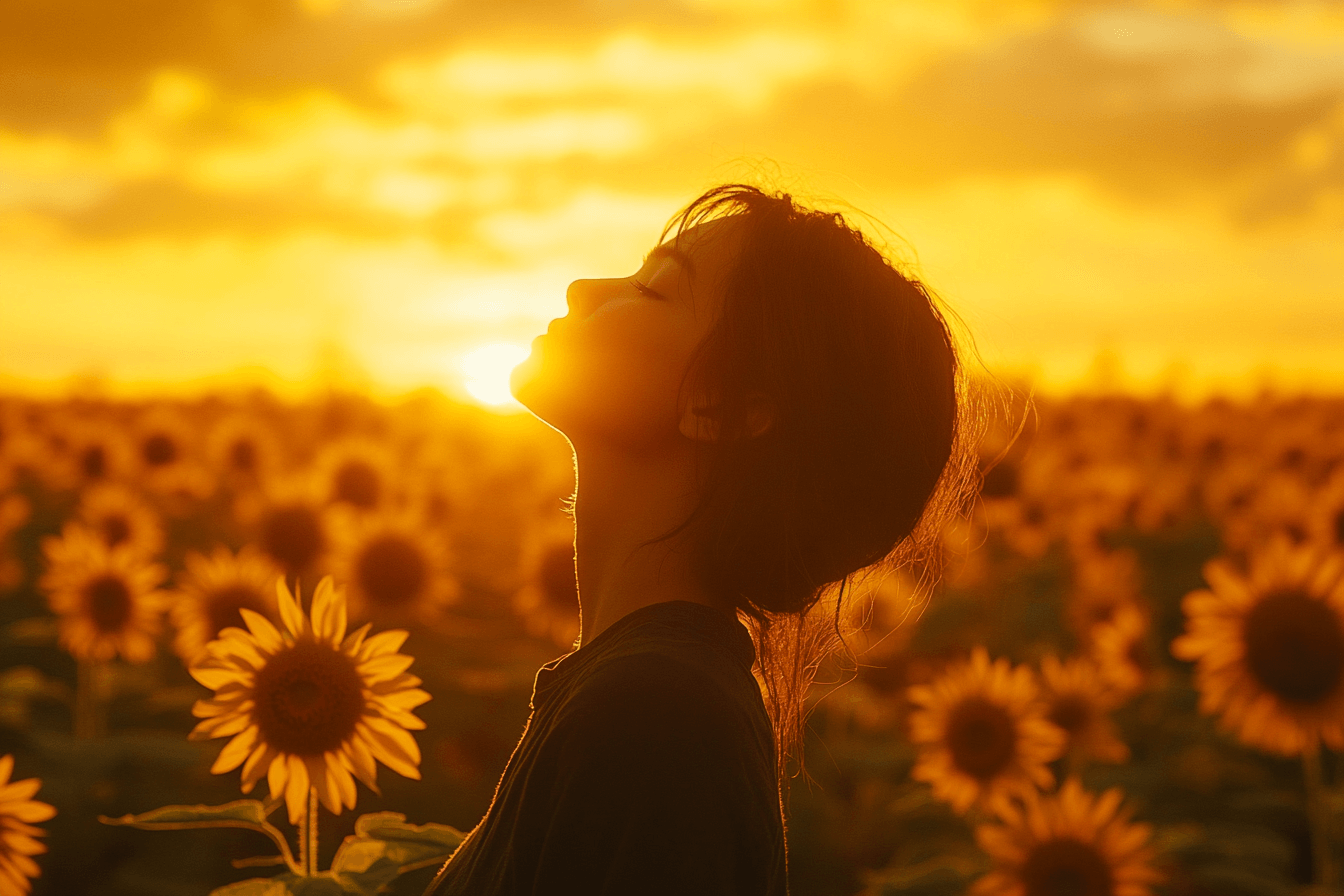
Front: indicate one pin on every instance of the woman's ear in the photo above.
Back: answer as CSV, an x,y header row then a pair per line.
x,y
700,422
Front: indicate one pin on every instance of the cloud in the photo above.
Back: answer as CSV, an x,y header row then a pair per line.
x,y
199,184
742,71
1197,110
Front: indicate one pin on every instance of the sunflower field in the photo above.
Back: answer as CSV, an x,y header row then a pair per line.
x,y
250,645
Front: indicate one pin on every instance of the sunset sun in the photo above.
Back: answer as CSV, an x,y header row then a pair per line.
x,y
486,370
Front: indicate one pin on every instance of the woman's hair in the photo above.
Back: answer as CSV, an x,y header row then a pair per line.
x,y
871,445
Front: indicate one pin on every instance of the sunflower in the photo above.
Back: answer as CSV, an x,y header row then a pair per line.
x,y
288,524
1120,646
91,452
214,591
1270,647
1281,505
1079,701
548,599
107,598
307,706
121,518
165,456
984,733
1072,842
18,843
242,450
355,473
1104,583
1325,519
397,571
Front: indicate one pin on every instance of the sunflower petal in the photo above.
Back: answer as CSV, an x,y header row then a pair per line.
x,y
296,788
290,612
267,635
235,751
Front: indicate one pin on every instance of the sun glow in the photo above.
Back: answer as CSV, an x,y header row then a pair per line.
x,y
486,372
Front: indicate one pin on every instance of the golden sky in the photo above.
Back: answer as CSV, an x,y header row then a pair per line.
x,y
369,190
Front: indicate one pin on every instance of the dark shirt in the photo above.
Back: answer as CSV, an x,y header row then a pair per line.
x,y
646,768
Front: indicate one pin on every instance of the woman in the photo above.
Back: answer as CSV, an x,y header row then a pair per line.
x,y
764,408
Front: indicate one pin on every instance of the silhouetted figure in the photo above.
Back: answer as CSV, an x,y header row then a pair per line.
x,y
767,406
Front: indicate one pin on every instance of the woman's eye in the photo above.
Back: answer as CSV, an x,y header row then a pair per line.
x,y
644,290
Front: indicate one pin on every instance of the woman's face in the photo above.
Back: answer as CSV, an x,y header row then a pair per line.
x,y
611,368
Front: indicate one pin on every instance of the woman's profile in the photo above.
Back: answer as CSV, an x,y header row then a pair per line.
x,y
765,408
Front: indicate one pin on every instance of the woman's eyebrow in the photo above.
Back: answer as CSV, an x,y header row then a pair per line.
x,y
670,251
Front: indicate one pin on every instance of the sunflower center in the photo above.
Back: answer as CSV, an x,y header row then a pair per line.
x,y
1294,646
981,737
292,534
93,462
159,450
1066,867
1071,712
308,698
392,571
243,456
357,483
116,529
108,601
222,606
558,583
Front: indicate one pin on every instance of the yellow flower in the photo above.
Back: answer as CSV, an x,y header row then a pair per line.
x,y
107,598
307,705
355,473
121,518
1072,842
1325,519
95,451
397,573
1270,647
18,843
1079,701
165,456
1105,582
1121,650
242,450
984,733
214,590
1281,504
287,522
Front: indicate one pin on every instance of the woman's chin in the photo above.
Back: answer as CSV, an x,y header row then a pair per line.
x,y
527,385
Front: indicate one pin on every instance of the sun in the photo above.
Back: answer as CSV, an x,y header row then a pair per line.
x,y
486,372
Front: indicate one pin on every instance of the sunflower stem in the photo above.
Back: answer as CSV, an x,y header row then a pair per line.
x,y
303,844
312,830
1318,819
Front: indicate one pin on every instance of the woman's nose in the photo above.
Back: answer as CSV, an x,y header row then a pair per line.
x,y
585,296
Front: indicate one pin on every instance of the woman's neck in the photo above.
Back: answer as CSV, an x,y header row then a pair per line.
x,y
624,498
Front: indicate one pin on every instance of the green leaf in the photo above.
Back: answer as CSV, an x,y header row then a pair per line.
x,y
247,814
384,847
238,814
